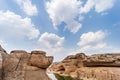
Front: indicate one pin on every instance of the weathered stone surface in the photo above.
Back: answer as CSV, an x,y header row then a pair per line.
x,y
70,63
2,55
21,65
38,75
16,61
94,67
15,75
110,60
2,50
40,60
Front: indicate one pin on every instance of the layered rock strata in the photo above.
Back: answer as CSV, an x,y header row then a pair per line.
x,y
94,67
21,65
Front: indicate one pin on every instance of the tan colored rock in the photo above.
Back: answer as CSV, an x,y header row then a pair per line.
x,y
39,59
30,68
95,67
2,55
23,58
70,63
108,60
2,50
21,65
36,75
98,73
15,75
39,52
16,60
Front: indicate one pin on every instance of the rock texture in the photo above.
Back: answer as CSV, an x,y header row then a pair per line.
x,y
94,67
21,65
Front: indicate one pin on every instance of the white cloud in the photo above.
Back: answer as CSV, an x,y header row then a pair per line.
x,y
88,6
98,5
91,37
27,6
73,26
51,42
97,48
103,5
13,25
2,43
64,11
67,10
53,45
92,42
81,18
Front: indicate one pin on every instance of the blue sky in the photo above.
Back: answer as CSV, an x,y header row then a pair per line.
x,y
60,27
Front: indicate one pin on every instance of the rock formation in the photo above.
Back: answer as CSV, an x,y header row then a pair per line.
x,y
21,65
94,67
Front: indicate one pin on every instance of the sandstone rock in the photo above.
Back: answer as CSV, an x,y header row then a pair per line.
x,y
21,65
70,63
39,59
36,75
30,68
82,67
2,50
110,60
15,75
2,55
23,58
39,52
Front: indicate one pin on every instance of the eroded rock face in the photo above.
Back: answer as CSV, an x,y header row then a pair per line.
x,y
106,60
21,65
2,54
82,67
39,59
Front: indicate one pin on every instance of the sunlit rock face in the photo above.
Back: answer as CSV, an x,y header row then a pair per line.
x,y
21,65
94,67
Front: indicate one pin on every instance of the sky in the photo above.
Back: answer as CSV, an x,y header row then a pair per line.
x,y
60,27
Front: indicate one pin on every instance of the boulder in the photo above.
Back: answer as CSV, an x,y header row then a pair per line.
x,y
39,59
21,65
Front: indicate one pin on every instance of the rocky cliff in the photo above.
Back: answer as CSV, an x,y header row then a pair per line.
x,y
21,65
82,67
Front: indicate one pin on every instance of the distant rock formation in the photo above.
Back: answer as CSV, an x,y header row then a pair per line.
x,y
82,67
21,65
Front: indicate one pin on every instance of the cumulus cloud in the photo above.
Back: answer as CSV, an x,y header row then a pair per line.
x,y
13,25
92,41
27,6
64,11
51,42
91,37
68,10
98,5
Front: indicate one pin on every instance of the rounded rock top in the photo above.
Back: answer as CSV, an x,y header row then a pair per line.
x,y
38,52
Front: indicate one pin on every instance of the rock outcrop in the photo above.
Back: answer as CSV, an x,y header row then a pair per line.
x,y
21,65
94,67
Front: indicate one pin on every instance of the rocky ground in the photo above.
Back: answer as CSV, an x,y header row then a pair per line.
x,y
21,65
82,67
